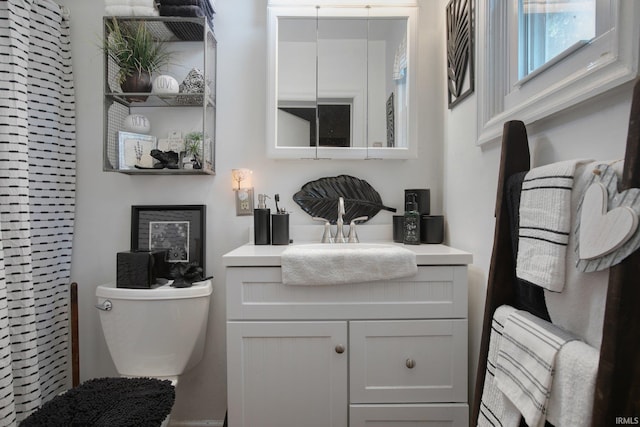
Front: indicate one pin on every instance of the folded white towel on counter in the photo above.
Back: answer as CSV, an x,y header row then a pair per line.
x,y
526,363
144,11
335,265
495,408
545,224
118,10
574,384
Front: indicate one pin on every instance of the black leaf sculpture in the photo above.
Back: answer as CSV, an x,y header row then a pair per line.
x,y
319,198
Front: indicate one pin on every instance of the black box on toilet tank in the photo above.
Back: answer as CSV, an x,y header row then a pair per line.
x,y
140,269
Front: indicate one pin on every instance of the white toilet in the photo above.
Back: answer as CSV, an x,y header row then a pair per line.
x,y
157,333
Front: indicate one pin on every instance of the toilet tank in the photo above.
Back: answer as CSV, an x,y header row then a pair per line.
x,y
157,332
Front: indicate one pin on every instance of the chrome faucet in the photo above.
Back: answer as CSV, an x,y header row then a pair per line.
x,y
353,236
340,238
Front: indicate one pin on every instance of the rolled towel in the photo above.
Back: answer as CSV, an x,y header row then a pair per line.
x,y
117,3
180,2
118,11
185,11
145,3
144,11
203,4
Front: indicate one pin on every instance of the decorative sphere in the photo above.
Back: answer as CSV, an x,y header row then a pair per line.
x,y
165,84
136,123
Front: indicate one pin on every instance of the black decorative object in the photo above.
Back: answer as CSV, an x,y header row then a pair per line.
x,y
166,159
177,229
460,73
391,120
319,198
184,274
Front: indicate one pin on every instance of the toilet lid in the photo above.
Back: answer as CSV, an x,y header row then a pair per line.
x,y
198,289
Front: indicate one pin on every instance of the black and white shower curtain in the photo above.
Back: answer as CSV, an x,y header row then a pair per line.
x,y
37,203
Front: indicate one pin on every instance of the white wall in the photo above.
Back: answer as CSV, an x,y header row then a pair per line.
x,y
104,199
596,129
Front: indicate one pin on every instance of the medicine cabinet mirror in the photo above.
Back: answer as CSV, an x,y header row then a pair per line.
x,y
341,81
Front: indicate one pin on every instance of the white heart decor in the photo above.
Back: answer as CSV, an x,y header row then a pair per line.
x,y
603,232
607,231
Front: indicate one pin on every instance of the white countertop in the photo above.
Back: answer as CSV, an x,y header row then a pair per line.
x,y
251,255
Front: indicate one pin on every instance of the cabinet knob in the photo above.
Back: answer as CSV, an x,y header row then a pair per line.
x,y
339,349
410,363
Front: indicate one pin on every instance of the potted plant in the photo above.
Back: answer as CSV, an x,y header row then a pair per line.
x,y
193,147
136,53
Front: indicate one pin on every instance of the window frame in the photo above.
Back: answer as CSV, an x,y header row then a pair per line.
x,y
606,62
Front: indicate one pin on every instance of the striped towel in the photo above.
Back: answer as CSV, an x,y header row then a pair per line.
x,y
545,223
526,363
495,408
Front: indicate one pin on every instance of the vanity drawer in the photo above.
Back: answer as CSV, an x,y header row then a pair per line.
x,y
256,293
413,361
449,414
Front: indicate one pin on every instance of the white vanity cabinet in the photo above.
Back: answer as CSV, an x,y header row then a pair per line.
x,y
390,353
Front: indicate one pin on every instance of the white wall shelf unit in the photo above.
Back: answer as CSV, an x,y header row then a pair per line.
x,y
192,45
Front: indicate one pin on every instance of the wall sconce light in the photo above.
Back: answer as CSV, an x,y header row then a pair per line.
x,y
242,186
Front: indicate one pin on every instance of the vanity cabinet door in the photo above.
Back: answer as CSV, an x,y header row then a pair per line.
x,y
408,361
287,374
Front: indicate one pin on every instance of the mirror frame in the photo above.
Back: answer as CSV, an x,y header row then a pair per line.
x,y
310,9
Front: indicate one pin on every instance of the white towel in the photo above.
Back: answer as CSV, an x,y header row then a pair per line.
x,y
117,3
526,363
118,11
574,384
144,11
335,265
143,3
579,308
495,408
545,224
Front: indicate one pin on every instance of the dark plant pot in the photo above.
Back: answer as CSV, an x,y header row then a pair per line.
x,y
138,83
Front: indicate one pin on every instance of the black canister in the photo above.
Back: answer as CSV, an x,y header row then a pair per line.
x,y
280,229
398,228
422,198
432,229
262,222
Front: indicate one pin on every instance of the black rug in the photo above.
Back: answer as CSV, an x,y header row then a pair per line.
x,y
103,402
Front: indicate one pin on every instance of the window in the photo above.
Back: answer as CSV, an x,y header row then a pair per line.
x,y
538,57
549,30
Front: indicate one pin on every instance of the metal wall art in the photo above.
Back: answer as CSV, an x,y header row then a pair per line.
x,y
460,75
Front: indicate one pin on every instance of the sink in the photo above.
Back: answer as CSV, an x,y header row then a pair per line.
x,y
342,263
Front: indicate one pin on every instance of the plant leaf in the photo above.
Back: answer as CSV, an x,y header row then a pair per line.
x,y
319,198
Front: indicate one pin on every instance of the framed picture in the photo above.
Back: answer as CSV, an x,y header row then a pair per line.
x,y
134,149
177,229
460,69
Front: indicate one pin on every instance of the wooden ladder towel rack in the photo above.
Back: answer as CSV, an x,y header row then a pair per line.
x,y
617,392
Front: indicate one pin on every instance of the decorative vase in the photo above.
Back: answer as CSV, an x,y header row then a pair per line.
x,y
165,85
137,83
136,123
